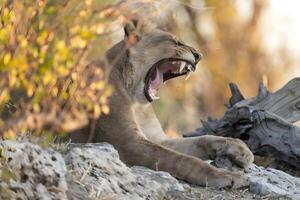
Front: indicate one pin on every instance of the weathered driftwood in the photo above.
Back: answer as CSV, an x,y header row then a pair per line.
x,y
265,122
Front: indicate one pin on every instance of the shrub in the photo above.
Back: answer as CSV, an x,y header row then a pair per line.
x,y
45,82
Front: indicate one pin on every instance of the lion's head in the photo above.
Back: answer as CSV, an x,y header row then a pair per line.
x,y
155,56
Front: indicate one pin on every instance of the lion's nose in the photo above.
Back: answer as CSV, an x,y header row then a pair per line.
x,y
198,56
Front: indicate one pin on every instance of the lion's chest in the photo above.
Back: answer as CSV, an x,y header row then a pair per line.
x,y
148,122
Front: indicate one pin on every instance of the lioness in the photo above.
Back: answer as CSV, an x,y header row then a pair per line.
x,y
142,62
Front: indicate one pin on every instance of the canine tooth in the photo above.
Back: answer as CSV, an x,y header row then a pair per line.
x,y
154,97
186,65
181,67
191,68
188,74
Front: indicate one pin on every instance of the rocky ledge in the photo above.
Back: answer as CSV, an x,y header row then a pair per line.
x,y
94,171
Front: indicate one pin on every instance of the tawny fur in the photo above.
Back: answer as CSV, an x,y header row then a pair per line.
x,y
133,129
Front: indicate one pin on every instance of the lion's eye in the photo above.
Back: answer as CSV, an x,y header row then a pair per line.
x,y
179,43
174,39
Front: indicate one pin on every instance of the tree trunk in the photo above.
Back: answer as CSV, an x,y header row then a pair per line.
x,y
264,122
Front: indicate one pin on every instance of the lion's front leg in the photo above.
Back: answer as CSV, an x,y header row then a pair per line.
x,y
210,147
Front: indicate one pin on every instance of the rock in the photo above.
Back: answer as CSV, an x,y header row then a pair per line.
x,y
273,182
30,172
266,181
99,169
96,172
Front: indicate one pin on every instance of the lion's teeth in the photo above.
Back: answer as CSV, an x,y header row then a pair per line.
x,y
155,97
181,66
188,74
187,66
191,68
174,62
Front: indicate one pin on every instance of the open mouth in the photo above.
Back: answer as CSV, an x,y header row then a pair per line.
x,y
164,70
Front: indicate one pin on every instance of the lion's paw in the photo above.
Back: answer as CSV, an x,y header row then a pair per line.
x,y
236,150
227,179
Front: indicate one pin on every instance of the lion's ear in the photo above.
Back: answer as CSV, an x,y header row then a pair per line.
x,y
132,31
135,28
131,27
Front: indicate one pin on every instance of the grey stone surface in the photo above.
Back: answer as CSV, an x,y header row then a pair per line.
x,y
94,171
98,168
266,181
30,172
273,182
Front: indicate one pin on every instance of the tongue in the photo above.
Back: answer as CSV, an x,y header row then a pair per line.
x,y
156,79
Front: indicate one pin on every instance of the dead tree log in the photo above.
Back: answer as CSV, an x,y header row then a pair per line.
x,y
264,122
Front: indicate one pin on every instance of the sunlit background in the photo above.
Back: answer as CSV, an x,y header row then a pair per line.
x,y
46,44
243,41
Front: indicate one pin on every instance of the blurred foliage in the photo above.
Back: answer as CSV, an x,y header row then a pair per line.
x,y
233,51
46,85
45,82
